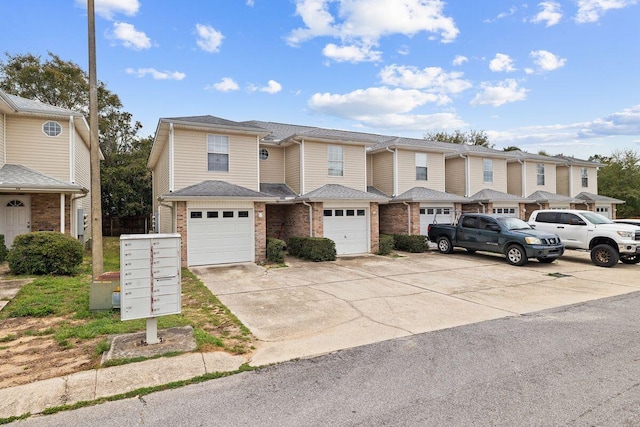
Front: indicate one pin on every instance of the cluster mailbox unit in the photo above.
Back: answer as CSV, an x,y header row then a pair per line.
x,y
149,278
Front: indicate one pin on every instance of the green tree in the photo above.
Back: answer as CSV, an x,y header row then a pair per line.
x,y
511,148
472,137
620,178
64,84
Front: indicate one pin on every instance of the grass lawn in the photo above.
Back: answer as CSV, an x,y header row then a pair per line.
x,y
56,309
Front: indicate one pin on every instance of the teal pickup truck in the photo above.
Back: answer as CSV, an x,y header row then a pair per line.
x,y
505,235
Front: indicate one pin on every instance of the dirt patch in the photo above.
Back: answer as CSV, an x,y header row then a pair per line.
x,y
29,354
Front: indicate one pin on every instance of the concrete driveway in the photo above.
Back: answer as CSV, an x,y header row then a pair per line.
x,y
308,309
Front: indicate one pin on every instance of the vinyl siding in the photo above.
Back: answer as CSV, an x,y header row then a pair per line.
x,y
562,180
407,171
316,167
190,160
3,117
514,179
477,175
577,180
27,145
161,183
532,178
382,171
272,170
292,167
455,176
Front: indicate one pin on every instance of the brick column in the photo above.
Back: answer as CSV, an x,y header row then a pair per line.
x,y
260,231
415,218
181,227
374,219
318,219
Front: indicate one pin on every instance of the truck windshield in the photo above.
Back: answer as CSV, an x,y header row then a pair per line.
x,y
595,218
514,223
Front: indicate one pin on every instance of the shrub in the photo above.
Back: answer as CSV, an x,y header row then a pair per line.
x,y
275,250
3,249
45,252
312,248
386,244
414,243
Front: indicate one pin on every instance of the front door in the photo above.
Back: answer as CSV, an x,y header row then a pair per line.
x,y
15,216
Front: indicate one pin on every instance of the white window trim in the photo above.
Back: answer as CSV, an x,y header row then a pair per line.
x,y
422,161
486,171
330,161
219,152
56,123
540,174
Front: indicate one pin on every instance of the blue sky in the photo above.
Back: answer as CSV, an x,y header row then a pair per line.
x,y
559,76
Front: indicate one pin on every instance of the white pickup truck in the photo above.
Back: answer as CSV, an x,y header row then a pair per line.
x,y
608,242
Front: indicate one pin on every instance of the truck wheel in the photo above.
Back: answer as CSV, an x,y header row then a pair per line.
x,y
444,245
630,259
516,255
604,256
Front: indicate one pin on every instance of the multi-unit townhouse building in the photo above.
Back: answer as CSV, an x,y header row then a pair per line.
x,y
226,186
44,168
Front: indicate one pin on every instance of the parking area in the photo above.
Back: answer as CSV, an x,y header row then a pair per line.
x,y
307,309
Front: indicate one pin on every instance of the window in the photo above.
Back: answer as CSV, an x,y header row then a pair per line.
x,y
470,222
328,212
360,212
218,153
264,154
339,212
335,158
227,214
243,214
52,128
212,214
487,170
585,177
197,214
421,166
540,173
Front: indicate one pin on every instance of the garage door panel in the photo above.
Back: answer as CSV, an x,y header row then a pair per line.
x,y
220,236
435,214
349,229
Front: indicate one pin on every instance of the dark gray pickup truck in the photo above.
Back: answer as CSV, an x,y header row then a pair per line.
x,y
509,236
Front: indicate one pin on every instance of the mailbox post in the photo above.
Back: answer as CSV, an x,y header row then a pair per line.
x,y
150,278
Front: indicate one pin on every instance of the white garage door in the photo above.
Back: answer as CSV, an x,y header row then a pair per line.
x,y
508,211
432,215
348,227
604,211
220,236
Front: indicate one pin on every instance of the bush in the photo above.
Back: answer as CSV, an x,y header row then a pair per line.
x,y
386,244
275,250
312,248
3,249
45,252
414,243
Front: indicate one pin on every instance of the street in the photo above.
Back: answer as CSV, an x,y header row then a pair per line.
x,y
573,365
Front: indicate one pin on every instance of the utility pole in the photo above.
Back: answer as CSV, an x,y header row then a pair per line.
x,y
96,203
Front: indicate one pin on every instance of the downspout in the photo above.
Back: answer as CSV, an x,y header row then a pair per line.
x,y
301,144
310,218
171,169
75,209
4,138
484,209
171,208
62,225
395,170
409,216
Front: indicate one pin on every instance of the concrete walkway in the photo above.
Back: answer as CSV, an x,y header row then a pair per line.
x,y
308,309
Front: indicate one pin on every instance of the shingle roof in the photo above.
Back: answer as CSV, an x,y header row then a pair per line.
x,y
426,194
374,190
212,121
31,106
340,192
282,131
523,155
282,191
580,162
414,143
546,196
216,189
21,177
497,196
590,197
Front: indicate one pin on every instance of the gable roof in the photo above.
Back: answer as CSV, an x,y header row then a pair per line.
x,y
488,195
413,144
216,190
590,197
282,191
546,196
18,178
282,133
340,192
518,155
570,160
423,194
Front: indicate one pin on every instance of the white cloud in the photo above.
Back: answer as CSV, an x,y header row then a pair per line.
x,y
272,87
501,62
250,3
626,122
504,92
547,61
502,15
430,79
592,10
130,37
550,14
459,60
157,75
364,22
404,50
351,53
108,8
227,84
209,39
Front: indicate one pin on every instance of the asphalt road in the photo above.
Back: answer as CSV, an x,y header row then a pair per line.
x,y
577,365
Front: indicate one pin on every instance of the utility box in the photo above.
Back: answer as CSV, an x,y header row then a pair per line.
x,y
149,275
101,291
